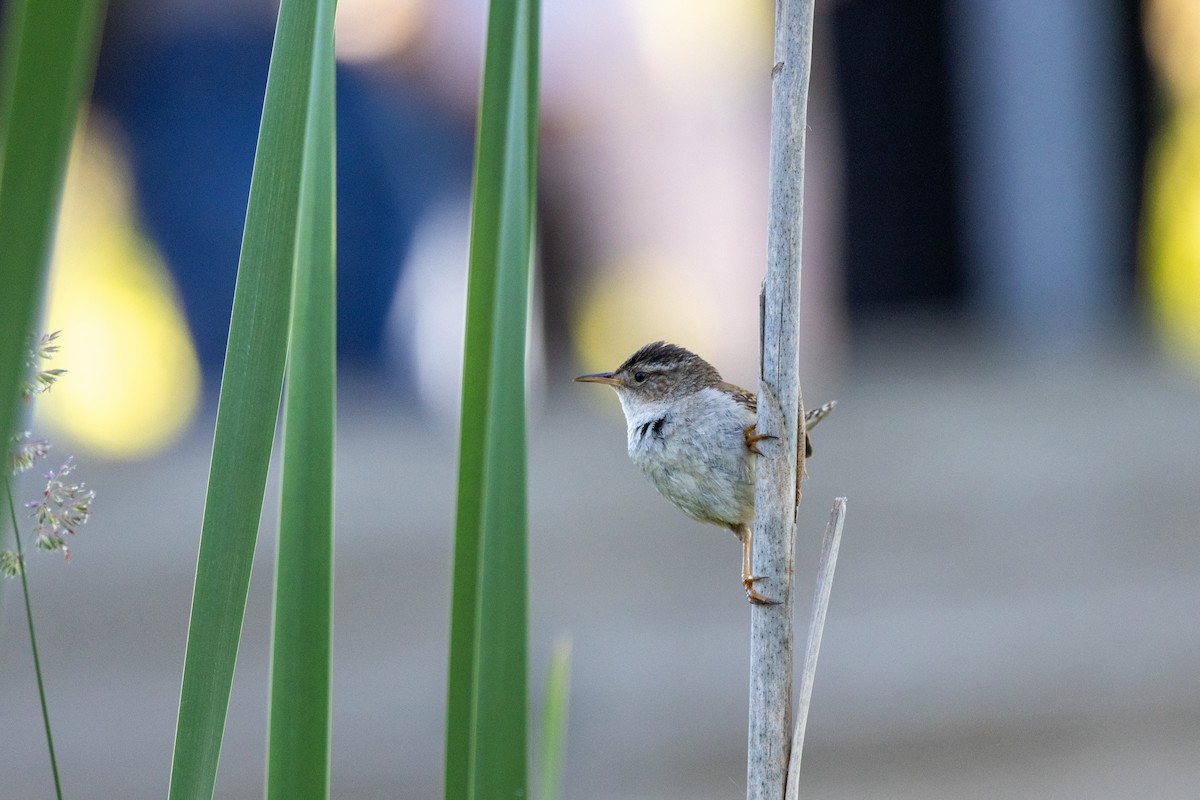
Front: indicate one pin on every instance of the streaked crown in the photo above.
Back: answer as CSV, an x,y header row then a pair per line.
x,y
659,370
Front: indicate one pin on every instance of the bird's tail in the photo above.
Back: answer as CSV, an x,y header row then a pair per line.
x,y
817,414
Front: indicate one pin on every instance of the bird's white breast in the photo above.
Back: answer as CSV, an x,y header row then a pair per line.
x,y
693,450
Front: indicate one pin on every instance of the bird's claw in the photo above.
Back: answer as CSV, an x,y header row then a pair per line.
x,y
752,439
752,594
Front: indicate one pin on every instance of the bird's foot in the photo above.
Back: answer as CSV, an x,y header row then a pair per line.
x,y
752,439
752,594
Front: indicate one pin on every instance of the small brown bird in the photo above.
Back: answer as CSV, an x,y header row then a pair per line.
x,y
693,435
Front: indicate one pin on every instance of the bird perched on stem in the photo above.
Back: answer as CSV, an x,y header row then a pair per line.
x,y
693,435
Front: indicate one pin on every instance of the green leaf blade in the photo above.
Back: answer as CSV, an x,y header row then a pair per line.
x,y
49,57
298,744
486,736
249,404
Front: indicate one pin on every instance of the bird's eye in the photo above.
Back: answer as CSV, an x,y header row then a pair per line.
x,y
639,377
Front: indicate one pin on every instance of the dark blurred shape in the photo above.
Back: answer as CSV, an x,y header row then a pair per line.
x,y
993,157
902,224
190,108
191,105
1144,118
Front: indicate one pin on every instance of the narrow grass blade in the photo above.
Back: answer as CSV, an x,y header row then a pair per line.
x,y
248,407
49,57
298,730
554,722
486,731
33,645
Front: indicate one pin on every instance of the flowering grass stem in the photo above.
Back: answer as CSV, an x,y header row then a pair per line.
x,y
37,664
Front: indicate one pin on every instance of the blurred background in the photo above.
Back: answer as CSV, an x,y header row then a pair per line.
x,y
1001,288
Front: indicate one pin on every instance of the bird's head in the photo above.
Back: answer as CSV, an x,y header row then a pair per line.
x,y
657,372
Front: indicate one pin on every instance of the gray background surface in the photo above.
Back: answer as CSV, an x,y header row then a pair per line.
x,y
1014,615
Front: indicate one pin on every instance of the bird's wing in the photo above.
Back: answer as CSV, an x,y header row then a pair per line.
x,y
744,398
747,400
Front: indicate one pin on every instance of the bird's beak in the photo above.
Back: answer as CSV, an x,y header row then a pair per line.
x,y
599,377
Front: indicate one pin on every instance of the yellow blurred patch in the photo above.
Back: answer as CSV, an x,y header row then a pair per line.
x,y
693,46
1173,234
638,302
133,380
1171,228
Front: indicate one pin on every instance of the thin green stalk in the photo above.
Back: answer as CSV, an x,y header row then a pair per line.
x,y
37,662
554,722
